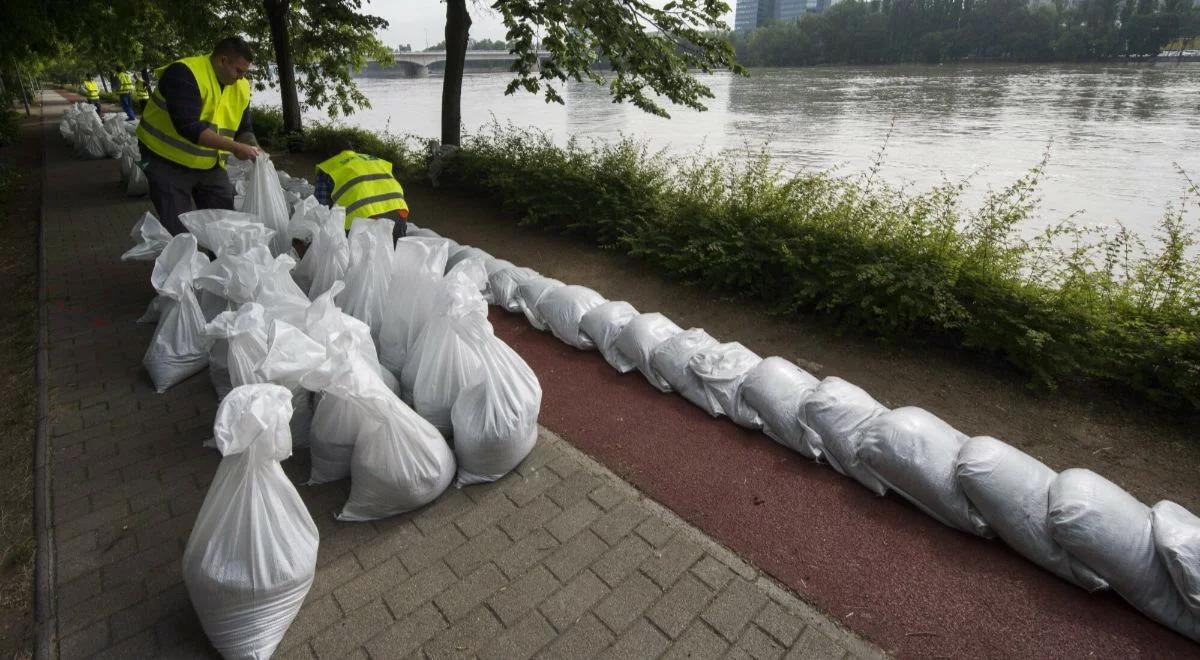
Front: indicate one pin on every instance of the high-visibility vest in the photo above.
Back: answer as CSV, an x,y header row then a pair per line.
x,y
139,91
91,90
221,110
126,82
364,185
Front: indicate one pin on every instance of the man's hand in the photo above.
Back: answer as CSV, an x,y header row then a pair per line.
x,y
244,151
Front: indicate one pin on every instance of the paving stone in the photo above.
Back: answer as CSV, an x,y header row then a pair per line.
x,y
682,602
712,572
574,487
393,541
606,497
814,645
642,641
370,585
485,513
780,624
333,575
622,559
526,552
531,486
142,645
353,631
759,645
314,616
483,548
521,641
627,602
457,601
570,603
407,635
419,589
573,520
529,517
698,641
443,511
666,565
620,521
513,601
586,639
466,638
84,643
432,548
575,555
734,607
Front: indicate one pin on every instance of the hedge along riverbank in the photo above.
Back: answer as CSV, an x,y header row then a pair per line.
x,y
879,261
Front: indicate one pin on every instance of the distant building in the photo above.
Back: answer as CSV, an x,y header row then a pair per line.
x,y
751,14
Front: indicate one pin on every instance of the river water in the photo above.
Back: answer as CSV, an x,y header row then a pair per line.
x,y
1115,131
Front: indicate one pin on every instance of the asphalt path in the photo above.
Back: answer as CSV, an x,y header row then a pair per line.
x,y
882,568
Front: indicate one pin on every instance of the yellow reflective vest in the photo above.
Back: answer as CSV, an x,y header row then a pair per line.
x,y
139,91
221,110
91,90
364,185
126,83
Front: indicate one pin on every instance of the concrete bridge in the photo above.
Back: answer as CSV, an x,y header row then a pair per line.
x,y
419,64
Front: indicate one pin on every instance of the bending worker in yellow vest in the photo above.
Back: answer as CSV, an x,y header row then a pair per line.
x,y
187,131
92,92
366,186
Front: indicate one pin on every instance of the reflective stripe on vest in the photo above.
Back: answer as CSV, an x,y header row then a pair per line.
x,y
221,111
126,81
364,185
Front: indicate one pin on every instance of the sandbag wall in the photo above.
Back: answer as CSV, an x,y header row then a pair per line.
x,y
1075,524
111,136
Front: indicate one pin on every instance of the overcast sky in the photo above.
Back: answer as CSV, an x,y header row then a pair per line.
x,y
423,22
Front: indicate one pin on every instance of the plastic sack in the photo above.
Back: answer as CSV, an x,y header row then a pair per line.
x,y
369,273
670,361
153,310
151,238
1177,539
603,324
445,359
495,420
1111,532
914,453
562,308
832,417
252,554
720,370
178,349
503,283
328,257
530,292
137,184
279,294
221,230
233,276
400,462
324,322
1010,488
421,232
416,272
465,252
638,340
264,198
776,389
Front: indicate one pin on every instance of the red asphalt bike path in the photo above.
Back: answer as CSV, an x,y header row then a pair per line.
x,y
885,570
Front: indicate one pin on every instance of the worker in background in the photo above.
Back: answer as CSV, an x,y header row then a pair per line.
x,y
91,91
198,116
141,95
366,186
125,93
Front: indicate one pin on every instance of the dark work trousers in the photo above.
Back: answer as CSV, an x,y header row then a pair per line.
x,y
127,106
176,189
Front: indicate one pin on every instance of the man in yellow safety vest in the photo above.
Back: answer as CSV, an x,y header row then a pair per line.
x,y
188,130
92,92
141,95
365,185
125,91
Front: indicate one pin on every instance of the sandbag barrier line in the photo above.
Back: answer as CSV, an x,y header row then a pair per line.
x,y
1075,524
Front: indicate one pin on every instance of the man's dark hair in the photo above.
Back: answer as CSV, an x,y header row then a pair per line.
x,y
231,46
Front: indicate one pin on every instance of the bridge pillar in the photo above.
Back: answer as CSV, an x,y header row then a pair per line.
x,y
422,71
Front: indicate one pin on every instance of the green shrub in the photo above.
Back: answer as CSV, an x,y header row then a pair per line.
x,y
10,127
268,126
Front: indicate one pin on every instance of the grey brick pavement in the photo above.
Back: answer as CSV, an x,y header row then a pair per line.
x,y
559,559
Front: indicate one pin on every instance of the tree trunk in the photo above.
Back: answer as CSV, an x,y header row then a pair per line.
x,y
277,13
458,29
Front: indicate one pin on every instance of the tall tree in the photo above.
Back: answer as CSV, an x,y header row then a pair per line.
x,y
650,50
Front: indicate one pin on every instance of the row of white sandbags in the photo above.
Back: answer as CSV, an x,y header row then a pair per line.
x,y
112,137
1077,524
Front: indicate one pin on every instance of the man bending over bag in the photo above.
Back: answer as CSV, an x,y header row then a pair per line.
x,y
365,185
187,131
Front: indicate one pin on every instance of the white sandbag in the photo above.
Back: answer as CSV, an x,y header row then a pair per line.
x,y
369,273
503,283
465,252
400,462
178,349
492,265
234,276
324,322
421,232
670,361
445,360
530,292
603,324
416,272
833,416
1111,532
328,257
495,420
721,370
252,554
264,198
1177,539
474,270
562,308
776,390
221,230
1010,488
279,294
638,340
153,310
151,238
137,184
914,453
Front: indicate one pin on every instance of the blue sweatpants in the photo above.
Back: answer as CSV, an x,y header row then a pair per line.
x,y
127,106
